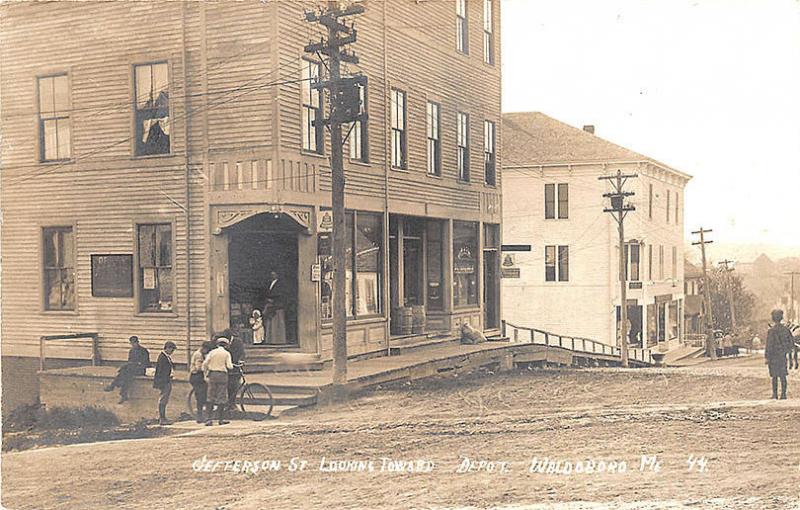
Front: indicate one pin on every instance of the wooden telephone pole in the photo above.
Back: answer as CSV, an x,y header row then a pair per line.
x,y
619,210
344,107
729,284
708,318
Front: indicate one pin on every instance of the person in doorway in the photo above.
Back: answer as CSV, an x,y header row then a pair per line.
x,y
275,310
257,325
215,367
779,344
163,380
138,361
198,379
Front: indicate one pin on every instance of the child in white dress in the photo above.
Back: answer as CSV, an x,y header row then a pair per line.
x,y
257,324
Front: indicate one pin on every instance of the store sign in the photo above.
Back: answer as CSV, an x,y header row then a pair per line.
x,y
325,223
509,272
316,272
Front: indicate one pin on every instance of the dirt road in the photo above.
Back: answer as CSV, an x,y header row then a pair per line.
x,y
666,439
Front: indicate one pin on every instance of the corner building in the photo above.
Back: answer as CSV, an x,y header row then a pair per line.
x,y
160,160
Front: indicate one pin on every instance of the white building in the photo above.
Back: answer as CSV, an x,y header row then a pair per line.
x,y
560,252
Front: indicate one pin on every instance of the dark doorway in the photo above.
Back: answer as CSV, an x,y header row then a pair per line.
x,y
491,270
257,247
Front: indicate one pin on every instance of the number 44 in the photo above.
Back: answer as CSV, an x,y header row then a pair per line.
x,y
698,463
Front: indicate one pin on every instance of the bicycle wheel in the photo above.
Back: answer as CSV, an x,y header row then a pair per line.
x,y
256,401
191,403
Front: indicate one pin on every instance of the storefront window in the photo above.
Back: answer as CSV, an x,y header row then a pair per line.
x,y
369,263
435,264
465,263
349,264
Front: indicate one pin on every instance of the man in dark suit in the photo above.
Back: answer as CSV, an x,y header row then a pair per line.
x,y
275,310
163,380
138,361
779,345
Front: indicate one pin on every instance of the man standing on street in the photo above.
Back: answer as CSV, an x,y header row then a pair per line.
x,y
216,366
779,344
236,348
163,380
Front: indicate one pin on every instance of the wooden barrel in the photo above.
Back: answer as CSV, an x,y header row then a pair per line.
x,y
405,320
418,319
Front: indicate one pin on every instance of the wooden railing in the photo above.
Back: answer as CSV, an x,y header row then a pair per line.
x,y
95,355
522,334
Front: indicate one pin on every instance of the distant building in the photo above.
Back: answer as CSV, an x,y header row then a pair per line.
x,y
560,250
693,306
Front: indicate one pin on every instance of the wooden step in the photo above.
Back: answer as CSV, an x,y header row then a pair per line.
x,y
422,344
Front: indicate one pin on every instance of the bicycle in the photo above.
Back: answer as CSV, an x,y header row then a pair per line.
x,y
254,399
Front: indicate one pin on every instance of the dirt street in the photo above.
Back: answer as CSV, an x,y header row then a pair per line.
x,y
703,437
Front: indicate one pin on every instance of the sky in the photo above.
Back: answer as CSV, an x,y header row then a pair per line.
x,y
709,87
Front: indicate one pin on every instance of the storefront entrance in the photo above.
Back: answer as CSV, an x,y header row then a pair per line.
x,y
263,276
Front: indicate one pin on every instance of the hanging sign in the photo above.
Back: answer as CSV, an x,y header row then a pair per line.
x,y
325,223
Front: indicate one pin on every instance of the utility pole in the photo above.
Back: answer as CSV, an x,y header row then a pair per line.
x,y
619,210
792,315
729,281
708,318
344,107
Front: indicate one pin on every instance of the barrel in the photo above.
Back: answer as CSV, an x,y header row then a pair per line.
x,y
405,320
418,319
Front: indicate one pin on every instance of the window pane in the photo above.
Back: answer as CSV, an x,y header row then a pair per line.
x,y
165,289
563,263
50,245
435,265
61,93
550,263
50,139
465,263
549,201
46,100
160,85
52,289
147,245
563,201
67,252
634,253
164,238
369,239
144,87
63,135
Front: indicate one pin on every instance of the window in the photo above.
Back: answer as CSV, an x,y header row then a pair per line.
x,y
462,141
434,254
489,153
550,201
59,268
399,138
434,140
661,262
155,267
312,113
359,140
650,262
488,32
465,263
674,262
152,109
632,261
677,202
54,122
556,263
368,268
650,202
462,34
667,206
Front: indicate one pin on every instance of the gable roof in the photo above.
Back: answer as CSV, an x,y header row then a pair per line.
x,y
533,138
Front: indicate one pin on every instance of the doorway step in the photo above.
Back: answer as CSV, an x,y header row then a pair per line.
x,y
266,360
405,344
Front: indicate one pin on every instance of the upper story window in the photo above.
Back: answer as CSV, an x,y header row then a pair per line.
x,y
556,263
155,267
488,31
54,122
312,129
434,123
550,201
462,33
152,109
359,141
677,207
667,206
632,261
650,201
462,145
59,268
489,153
399,126
661,262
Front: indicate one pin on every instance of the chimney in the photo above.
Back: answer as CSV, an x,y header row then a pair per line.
x,y
589,128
